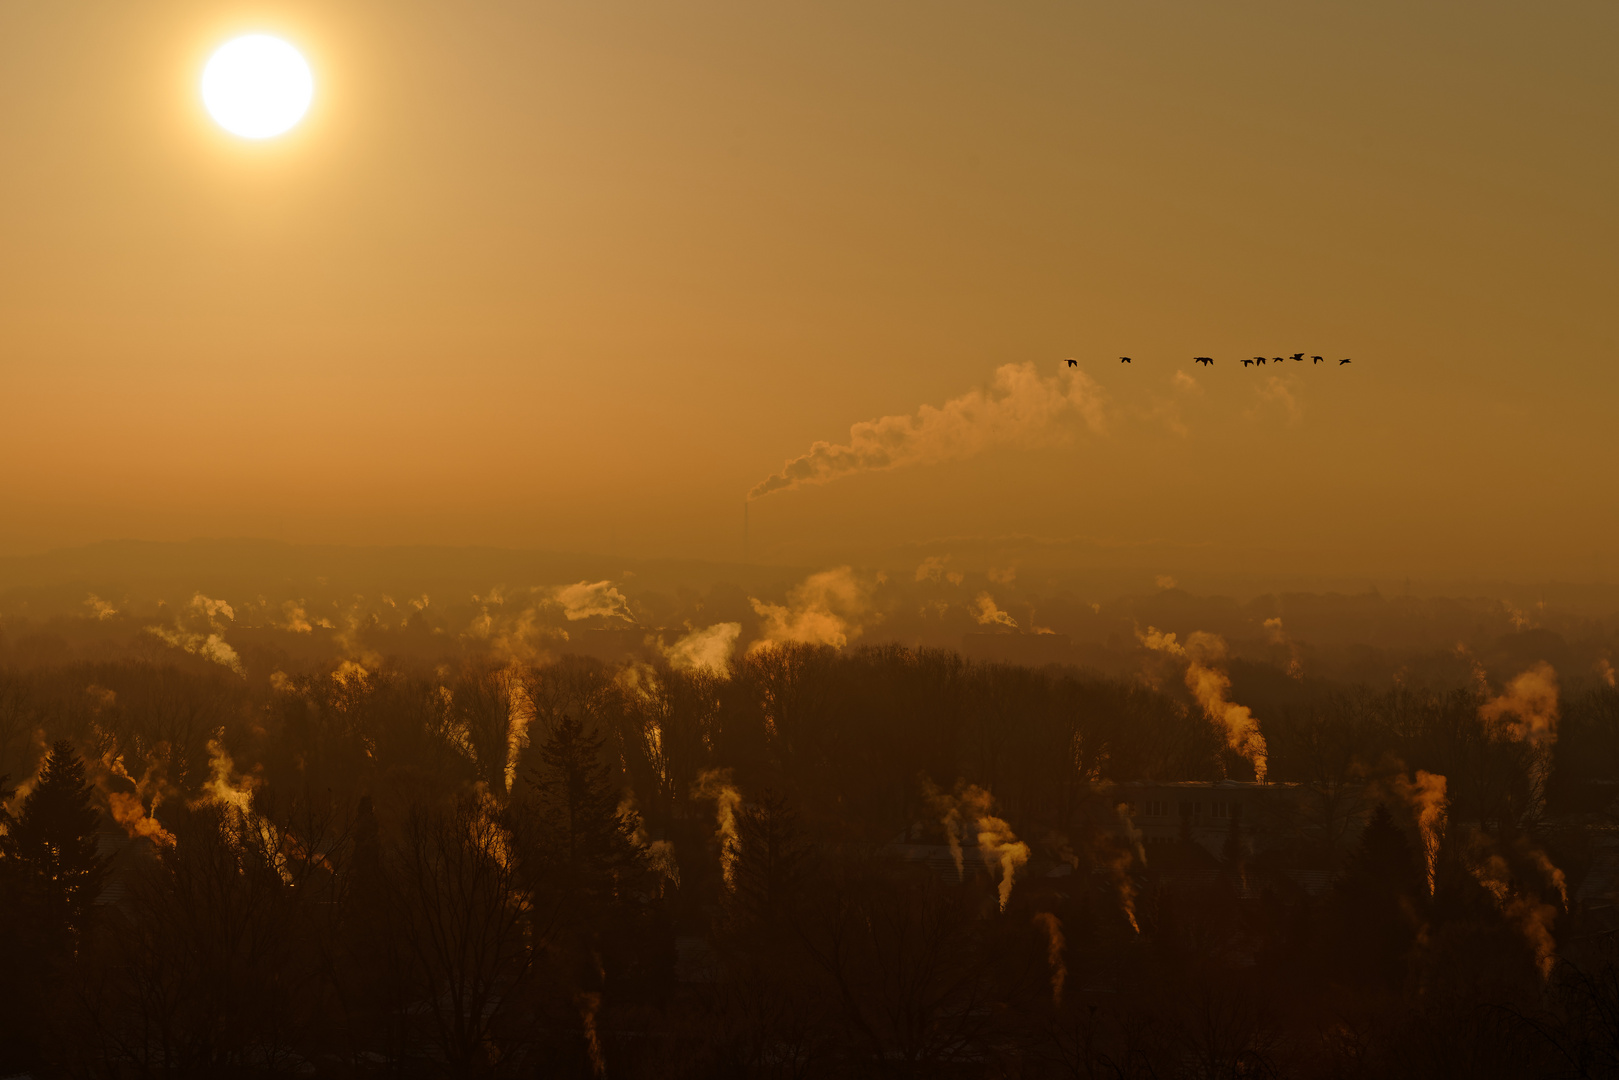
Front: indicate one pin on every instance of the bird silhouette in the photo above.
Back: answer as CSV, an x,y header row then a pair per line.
x,y
1124,359
1278,359
1259,359
1343,361
1250,363
1204,360
1315,359
1298,356
1072,362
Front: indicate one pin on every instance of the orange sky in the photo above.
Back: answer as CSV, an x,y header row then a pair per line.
x,y
579,275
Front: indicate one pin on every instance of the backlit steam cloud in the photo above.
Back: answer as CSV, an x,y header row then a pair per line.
x,y
987,614
708,650
1533,916
1119,862
1426,797
520,714
1209,684
129,808
1527,713
716,784
102,608
966,812
225,786
583,599
821,611
207,642
1020,407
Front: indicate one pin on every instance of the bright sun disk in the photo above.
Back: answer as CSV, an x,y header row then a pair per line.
x,y
257,86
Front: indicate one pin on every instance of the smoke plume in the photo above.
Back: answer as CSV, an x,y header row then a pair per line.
x,y
1119,862
1426,797
716,784
589,1004
582,600
933,568
824,610
1203,654
966,811
1020,407
708,650
519,715
987,614
225,786
1054,953
204,636
1527,711
1533,916
660,854
102,609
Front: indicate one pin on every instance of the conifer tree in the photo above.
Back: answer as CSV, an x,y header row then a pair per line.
x,y
51,846
1377,901
772,858
585,842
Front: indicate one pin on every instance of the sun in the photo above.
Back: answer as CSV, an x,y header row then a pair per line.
x,y
257,87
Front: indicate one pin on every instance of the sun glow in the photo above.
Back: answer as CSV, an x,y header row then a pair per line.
x,y
257,87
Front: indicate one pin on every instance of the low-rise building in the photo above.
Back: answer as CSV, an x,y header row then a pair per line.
x,y
1206,812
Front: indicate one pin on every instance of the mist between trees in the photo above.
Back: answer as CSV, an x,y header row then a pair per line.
x,y
804,860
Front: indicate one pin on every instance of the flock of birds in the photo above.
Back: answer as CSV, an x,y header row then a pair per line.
x,y
1207,360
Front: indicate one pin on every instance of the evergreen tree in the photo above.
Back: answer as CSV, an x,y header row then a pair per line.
x,y
51,846
1377,901
584,842
772,858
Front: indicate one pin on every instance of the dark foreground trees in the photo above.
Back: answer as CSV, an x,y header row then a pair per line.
x,y
652,874
50,876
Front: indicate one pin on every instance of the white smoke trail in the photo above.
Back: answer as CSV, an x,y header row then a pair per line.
x,y
823,610
205,636
708,650
1208,682
1527,713
585,599
716,784
1020,407
966,812
987,614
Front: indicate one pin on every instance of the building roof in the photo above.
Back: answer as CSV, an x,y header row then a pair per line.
x,y
1208,785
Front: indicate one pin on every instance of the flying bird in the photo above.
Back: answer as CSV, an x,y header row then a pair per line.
x,y
1259,359
1315,359
1124,359
1072,362
1343,361
1250,363
1298,356
1279,360
1204,360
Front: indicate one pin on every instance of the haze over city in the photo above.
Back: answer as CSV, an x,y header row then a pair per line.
x,y
837,540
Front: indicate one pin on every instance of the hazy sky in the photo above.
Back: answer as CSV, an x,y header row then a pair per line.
x,y
580,275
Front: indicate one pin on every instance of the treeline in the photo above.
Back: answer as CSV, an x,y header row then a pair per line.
x,y
580,869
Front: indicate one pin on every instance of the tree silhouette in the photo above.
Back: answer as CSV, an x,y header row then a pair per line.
x,y
772,859
1377,900
51,846
584,842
